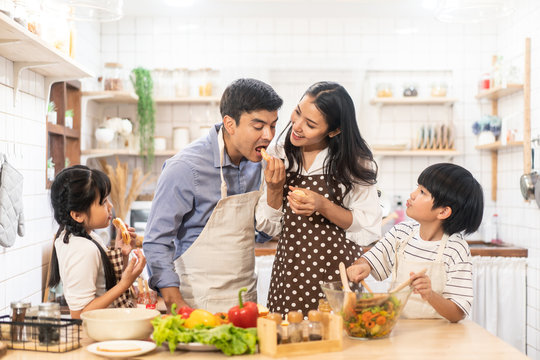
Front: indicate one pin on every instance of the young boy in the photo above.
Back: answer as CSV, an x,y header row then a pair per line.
x,y
447,201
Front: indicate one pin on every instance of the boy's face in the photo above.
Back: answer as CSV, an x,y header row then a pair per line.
x,y
254,131
420,205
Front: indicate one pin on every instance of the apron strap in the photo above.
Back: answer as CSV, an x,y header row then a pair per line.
x,y
442,246
221,145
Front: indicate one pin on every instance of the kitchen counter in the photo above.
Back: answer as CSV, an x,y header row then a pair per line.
x,y
411,339
478,248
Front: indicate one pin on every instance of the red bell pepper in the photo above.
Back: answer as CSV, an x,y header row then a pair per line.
x,y
185,311
244,314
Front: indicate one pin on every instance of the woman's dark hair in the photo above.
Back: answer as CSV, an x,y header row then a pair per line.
x,y
349,160
453,186
247,95
75,189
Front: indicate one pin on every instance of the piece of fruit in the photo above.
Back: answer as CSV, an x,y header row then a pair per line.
x,y
265,155
263,310
200,317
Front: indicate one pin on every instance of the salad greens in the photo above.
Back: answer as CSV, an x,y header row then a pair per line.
x,y
230,339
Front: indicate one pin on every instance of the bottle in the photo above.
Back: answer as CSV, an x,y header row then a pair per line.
x,y
276,317
314,325
495,238
49,319
295,332
399,210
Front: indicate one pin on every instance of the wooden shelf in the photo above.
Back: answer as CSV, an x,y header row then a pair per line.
x,y
55,129
498,146
499,92
95,153
131,98
413,153
413,101
28,51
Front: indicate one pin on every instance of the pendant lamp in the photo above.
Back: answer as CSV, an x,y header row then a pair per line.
x,y
87,10
473,11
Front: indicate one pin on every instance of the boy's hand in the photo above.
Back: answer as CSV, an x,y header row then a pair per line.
x,y
358,272
421,284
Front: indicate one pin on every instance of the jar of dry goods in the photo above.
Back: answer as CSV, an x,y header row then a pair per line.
x,y
112,77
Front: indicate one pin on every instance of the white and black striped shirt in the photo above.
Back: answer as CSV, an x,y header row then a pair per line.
x,y
456,257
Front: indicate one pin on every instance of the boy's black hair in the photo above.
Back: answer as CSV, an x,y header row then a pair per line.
x,y
454,186
247,95
76,188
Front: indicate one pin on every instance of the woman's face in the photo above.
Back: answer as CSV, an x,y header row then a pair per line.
x,y
309,126
99,216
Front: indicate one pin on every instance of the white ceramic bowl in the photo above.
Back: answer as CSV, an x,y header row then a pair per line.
x,y
119,324
104,135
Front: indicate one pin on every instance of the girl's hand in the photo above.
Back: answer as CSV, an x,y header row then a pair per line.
x,y
421,284
134,268
358,272
303,204
274,175
126,248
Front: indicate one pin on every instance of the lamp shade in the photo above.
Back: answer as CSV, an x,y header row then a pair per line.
x,y
473,11
87,10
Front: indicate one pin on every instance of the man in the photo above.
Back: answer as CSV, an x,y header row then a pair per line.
x,y
199,240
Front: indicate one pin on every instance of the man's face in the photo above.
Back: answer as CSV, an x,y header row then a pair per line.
x,y
254,131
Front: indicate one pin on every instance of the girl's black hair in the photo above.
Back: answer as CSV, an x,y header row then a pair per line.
x,y
349,161
453,186
75,189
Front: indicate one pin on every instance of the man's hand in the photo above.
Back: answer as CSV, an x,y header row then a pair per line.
x,y
171,295
274,176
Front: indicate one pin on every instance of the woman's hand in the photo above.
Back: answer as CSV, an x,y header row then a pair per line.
x,y
421,284
134,267
274,176
304,201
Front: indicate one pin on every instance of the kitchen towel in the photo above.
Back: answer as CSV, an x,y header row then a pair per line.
x,y
11,204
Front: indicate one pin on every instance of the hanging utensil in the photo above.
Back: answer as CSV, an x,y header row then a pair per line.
x,y
349,299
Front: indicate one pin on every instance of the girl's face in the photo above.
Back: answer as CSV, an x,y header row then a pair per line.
x,y
309,127
99,215
419,205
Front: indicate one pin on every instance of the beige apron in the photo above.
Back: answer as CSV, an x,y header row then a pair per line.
x,y
222,259
416,307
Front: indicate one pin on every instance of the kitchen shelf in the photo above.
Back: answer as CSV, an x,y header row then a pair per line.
x,y
429,153
497,145
499,92
96,153
28,51
132,98
413,101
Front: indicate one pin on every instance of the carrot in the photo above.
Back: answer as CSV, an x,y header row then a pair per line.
x,y
381,320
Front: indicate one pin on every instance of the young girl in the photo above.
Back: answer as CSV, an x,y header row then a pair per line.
x,y
447,201
325,157
79,198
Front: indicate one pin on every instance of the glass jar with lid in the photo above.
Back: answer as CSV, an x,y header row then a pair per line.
x,y
410,89
48,318
113,77
384,90
439,89
19,309
181,82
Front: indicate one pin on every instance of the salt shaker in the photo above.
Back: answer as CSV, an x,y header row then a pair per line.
x,y
276,317
314,325
295,331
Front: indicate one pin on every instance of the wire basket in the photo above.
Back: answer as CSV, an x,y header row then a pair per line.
x,y
61,337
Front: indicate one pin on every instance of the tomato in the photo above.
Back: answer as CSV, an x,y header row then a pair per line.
x,y
185,311
198,317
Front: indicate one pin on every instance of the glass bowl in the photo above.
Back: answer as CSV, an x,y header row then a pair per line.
x,y
367,319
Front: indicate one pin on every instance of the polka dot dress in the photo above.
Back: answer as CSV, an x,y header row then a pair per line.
x,y
308,253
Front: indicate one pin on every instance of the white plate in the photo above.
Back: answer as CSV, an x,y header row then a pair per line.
x,y
192,346
121,348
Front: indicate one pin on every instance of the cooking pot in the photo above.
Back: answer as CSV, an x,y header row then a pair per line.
x,y
527,184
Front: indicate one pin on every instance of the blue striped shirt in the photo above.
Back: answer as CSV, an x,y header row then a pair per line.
x,y
188,189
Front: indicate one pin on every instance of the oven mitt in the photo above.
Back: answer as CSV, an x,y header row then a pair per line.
x,y
11,203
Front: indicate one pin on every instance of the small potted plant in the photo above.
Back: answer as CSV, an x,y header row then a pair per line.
x,y
51,112
68,118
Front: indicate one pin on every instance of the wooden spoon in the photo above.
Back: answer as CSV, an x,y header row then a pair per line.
x,y
349,300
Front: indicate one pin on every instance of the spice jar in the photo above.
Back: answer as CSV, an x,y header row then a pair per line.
x,y
410,89
49,318
439,89
314,326
112,76
19,313
276,317
384,90
295,331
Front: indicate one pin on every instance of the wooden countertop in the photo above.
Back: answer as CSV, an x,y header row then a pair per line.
x,y
411,339
478,248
